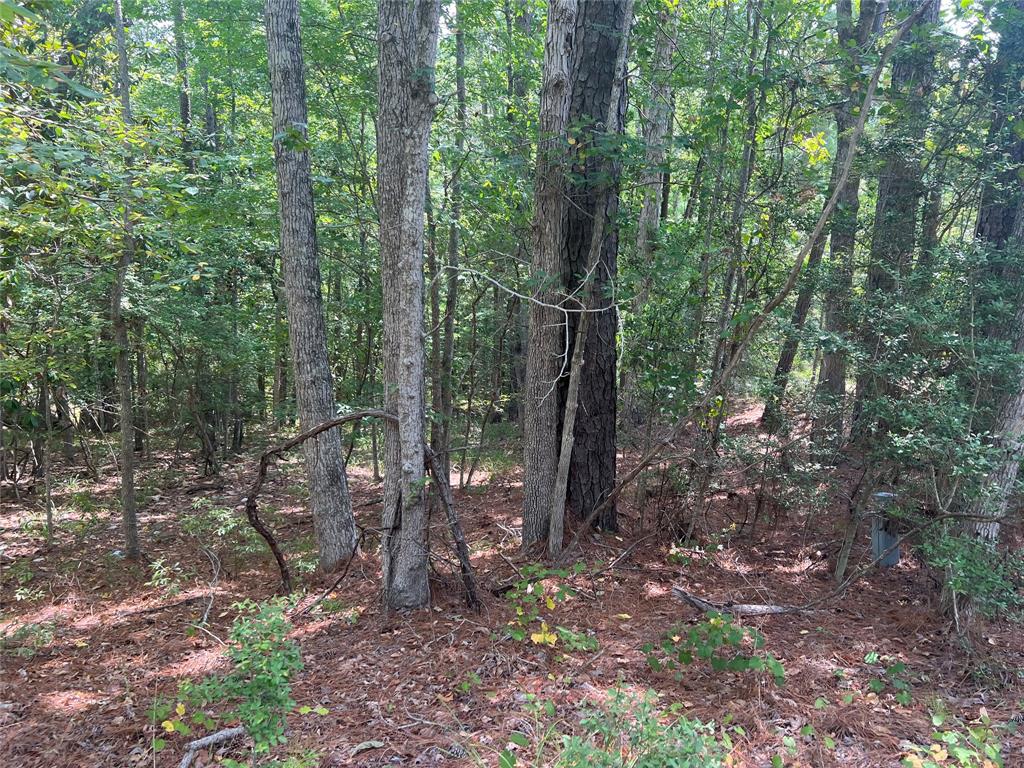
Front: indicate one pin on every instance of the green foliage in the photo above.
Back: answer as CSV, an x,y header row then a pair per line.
x,y
211,523
624,731
166,577
724,644
992,580
893,677
28,639
258,687
968,745
535,601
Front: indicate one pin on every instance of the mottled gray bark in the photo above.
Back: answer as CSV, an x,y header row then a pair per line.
x,y
546,339
314,388
122,361
407,37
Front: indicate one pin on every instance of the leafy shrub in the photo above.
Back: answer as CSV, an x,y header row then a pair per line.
x,y
970,745
258,687
724,644
626,731
534,603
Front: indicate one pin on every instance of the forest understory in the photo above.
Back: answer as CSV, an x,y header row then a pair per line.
x,y
91,644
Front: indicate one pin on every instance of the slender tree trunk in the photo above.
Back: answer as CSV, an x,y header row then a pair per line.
x,y
122,362
314,388
454,244
407,38
546,348
142,388
184,93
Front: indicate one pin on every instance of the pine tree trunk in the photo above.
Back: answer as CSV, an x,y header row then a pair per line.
x,y
184,94
407,37
546,351
314,388
600,29
900,186
831,391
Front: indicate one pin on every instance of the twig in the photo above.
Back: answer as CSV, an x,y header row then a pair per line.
x,y
461,549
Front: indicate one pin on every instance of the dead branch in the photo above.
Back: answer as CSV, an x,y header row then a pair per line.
x,y
268,457
461,549
736,609
227,734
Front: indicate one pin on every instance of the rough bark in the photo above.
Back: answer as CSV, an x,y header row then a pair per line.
x,y
900,187
546,335
184,93
122,361
831,391
314,388
593,196
407,38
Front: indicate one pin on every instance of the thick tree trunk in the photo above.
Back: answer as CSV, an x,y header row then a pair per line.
x,y
900,187
314,388
123,366
407,38
831,391
598,38
546,348
1000,226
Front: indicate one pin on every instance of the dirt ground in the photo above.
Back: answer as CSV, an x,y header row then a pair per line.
x,y
90,641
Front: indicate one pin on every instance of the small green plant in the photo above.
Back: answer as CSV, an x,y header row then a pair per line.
x,y
625,731
27,639
165,576
469,682
967,745
893,677
534,601
258,687
210,523
726,645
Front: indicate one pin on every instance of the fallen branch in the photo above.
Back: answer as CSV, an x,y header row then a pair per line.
x,y
445,492
219,737
736,609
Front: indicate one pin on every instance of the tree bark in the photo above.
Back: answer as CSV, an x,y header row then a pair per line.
x,y
407,38
314,388
122,362
598,39
546,346
831,391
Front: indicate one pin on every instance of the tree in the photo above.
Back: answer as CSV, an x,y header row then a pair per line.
x,y
1000,227
546,340
854,37
314,388
407,36
122,360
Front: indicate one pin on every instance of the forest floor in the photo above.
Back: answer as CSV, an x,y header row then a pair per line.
x,y
90,642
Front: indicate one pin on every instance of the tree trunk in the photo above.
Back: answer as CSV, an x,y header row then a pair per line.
x,y
314,388
599,36
900,186
407,38
122,362
831,391
184,94
546,340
